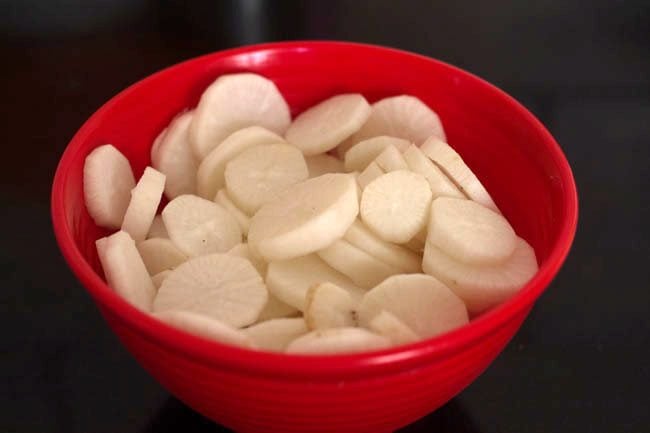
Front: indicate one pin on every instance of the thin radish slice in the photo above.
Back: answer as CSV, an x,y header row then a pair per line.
x,y
220,286
337,340
305,218
243,220
469,232
107,182
482,287
325,125
450,162
423,303
125,271
205,327
329,306
160,255
145,198
259,174
233,102
174,158
366,151
198,226
395,206
318,165
441,185
276,334
210,176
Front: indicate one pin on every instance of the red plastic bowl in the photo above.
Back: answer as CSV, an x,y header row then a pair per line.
x,y
517,159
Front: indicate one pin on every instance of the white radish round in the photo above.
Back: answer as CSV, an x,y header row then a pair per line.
x,y
325,125
329,306
364,270
337,341
395,206
145,198
242,250
364,152
107,182
276,309
157,229
160,277
305,218
205,327
389,326
482,287
450,162
289,280
395,255
401,116
125,271
210,176
259,174
243,220
198,226
469,232
220,286
370,173
318,165
423,303
441,185
276,334
160,254
173,156
391,159
233,102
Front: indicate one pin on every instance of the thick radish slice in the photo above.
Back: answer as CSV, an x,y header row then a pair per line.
x,y
198,226
243,220
389,326
276,309
157,229
329,306
401,116
173,157
441,185
391,159
205,327
364,270
145,198
450,162
290,280
305,218
423,303
259,174
107,182
395,255
325,125
159,278
370,173
242,250
366,151
125,271
221,286
395,206
233,102
482,287
469,232
160,254
337,340
276,334
210,176
324,163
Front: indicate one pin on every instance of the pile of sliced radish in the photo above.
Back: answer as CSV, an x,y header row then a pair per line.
x,y
355,227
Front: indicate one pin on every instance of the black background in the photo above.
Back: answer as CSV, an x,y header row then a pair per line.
x,y
581,361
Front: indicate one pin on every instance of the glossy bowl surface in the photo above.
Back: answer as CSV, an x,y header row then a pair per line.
x,y
513,154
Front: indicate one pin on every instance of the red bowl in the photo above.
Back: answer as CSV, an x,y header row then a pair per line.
x,y
514,155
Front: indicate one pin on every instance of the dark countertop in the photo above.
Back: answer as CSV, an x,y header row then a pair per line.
x,y
581,362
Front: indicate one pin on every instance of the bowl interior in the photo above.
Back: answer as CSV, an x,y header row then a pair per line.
x,y
513,155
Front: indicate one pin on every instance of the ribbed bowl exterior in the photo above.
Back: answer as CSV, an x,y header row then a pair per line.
x,y
517,159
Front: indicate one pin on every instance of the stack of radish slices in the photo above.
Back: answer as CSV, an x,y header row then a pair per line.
x,y
353,227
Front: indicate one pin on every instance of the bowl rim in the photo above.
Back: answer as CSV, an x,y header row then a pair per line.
x,y
320,367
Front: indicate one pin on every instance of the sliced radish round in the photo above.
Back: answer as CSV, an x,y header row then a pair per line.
x,y
160,255
157,229
441,185
205,327
389,326
337,340
366,151
145,198
243,220
276,334
330,306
